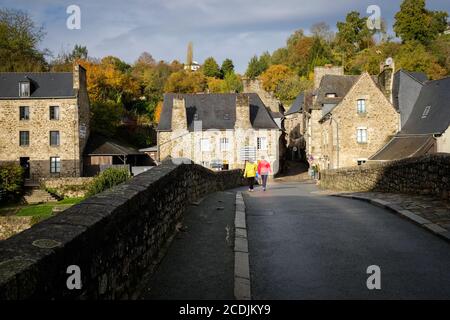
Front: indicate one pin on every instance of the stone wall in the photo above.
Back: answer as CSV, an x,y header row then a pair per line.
x,y
114,237
428,175
68,187
11,225
255,86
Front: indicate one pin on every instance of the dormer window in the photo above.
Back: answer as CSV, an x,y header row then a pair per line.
x,y
24,89
331,95
426,111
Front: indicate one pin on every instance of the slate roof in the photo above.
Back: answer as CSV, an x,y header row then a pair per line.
x,y
406,84
297,105
216,111
43,84
338,84
99,145
401,147
436,96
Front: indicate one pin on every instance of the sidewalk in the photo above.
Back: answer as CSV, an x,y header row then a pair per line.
x,y
430,213
199,263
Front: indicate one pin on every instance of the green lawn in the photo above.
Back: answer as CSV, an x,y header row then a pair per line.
x,y
44,211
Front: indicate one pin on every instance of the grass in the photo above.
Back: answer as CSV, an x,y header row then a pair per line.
x,y
44,211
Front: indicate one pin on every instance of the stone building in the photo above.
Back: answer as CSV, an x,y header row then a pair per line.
x,y
426,120
294,126
44,122
218,131
357,120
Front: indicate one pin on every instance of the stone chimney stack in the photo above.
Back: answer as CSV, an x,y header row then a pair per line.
x,y
242,112
386,77
179,119
79,76
319,72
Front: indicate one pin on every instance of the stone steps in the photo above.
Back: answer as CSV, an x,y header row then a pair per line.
x,y
36,196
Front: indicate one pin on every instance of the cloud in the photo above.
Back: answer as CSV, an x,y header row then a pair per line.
x,y
235,29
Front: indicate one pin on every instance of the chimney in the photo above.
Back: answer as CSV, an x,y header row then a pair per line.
x,y
242,112
79,76
319,72
386,77
179,119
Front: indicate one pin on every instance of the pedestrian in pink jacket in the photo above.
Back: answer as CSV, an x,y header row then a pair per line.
x,y
264,170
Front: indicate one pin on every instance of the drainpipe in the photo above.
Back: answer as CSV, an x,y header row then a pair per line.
x,y
337,140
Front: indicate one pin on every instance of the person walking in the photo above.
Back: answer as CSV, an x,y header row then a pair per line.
x,y
250,173
264,170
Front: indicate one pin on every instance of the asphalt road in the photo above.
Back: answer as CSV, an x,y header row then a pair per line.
x,y
304,245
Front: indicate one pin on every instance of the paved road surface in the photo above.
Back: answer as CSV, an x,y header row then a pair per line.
x,y
304,245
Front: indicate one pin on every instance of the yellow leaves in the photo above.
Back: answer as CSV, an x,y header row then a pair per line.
x,y
274,75
158,111
186,82
216,85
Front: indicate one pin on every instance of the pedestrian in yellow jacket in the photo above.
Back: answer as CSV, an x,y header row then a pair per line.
x,y
250,171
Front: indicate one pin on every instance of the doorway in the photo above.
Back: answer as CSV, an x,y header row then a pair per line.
x,y
25,164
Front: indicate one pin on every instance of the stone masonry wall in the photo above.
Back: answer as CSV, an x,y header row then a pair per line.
x,y
114,237
68,187
428,175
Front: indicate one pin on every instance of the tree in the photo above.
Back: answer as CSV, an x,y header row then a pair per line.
x,y
211,68
158,110
106,117
227,67
274,75
415,22
216,85
19,41
79,52
190,54
322,31
353,35
233,83
257,66
186,82
288,89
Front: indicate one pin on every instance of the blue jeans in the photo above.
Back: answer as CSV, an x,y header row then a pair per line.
x,y
264,180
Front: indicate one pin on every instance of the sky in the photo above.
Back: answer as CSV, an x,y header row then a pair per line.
x,y
236,29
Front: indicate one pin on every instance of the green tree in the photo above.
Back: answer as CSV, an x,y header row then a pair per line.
x,y
233,83
227,67
19,41
289,88
106,117
353,35
415,22
186,82
257,66
211,68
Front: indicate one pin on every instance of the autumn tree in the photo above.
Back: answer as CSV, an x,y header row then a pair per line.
x,y
273,75
415,22
186,82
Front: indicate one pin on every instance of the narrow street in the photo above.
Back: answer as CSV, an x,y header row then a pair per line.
x,y
304,245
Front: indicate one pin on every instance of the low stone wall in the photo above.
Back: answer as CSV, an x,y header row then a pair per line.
x,y
12,225
68,187
428,175
114,237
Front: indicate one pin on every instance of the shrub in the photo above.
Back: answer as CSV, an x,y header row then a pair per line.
x,y
108,179
12,179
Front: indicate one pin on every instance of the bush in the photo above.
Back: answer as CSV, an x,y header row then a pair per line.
x,y
108,179
12,179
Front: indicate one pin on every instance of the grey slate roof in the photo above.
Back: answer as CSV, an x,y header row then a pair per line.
x,y
436,95
405,90
297,105
99,145
401,147
43,84
216,111
338,84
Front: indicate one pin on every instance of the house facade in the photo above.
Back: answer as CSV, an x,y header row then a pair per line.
x,y
218,131
44,122
356,124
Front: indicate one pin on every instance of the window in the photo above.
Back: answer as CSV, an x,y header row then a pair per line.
x,y
224,144
24,89
331,95
24,113
196,117
54,138
54,113
24,138
261,143
362,135
55,165
204,144
361,106
226,116
361,161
